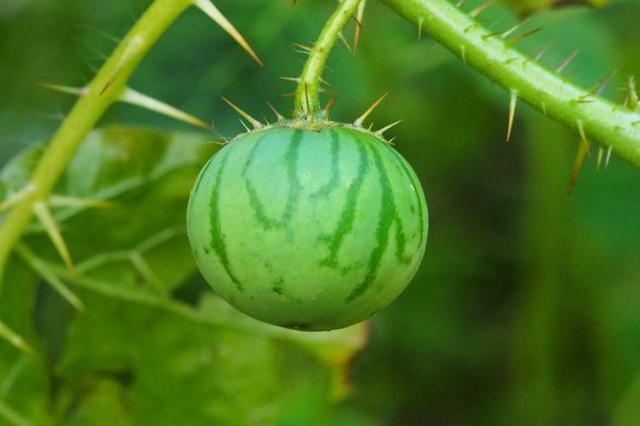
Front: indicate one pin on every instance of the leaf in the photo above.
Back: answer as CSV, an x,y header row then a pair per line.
x,y
152,331
24,382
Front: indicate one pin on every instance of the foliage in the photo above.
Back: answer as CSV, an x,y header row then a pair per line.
x,y
148,334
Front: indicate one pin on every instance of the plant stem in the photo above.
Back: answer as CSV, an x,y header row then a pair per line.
x,y
105,89
307,102
610,124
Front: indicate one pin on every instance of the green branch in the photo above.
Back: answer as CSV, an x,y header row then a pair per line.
x,y
612,125
307,102
105,89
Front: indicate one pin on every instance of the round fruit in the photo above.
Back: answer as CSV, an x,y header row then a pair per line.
x,y
308,225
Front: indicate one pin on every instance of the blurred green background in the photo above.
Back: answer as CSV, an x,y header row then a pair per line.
x,y
526,310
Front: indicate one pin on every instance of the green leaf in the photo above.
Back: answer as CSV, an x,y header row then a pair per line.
x,y
138,348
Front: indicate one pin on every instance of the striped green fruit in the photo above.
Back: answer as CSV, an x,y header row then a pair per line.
x,y
308,225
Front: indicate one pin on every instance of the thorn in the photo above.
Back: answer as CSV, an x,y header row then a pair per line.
x,y
323,81
463,54
293,79
303,47
279,116
103,33
244,125
387,127
512,113
345,42
515,28
212,12
633,94
583,136
577,166
493,34
524,36
567,61
373,106
134,97
329,106
77,91
478,10
14,338
542,52
255,123
460,3
600,155
543,107
48,222
608,157
358,18
604,83
420,21
390,141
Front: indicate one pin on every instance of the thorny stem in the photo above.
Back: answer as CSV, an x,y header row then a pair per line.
x,y
610,124
104,90
307,102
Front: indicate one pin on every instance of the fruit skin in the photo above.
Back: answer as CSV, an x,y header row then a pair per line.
x,y
312,226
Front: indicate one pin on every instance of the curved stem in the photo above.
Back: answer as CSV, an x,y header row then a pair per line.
x,y
307,102
105,89
610,124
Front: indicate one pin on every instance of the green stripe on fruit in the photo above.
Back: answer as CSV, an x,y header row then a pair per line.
x,y
319,224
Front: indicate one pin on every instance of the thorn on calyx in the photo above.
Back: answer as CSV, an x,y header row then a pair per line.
x,y
387,127
373,106
255,123
279,116
327,109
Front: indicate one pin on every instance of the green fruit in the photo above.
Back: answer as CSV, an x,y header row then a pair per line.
x,y
308,225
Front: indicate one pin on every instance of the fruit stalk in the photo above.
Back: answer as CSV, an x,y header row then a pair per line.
x,y
611,125
307,101
105,89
